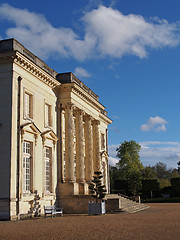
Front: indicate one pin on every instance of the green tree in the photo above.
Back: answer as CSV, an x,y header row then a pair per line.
x,y
149,186
161,171
129,165
175,173
114,176
97,189
149,172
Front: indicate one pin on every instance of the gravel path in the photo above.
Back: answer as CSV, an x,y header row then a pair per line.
x,y
160,222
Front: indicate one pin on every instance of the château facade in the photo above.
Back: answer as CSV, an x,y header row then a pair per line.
x,y
53,136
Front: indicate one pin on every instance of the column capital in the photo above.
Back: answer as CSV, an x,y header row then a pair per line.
x,y
78,111
95,122
88,117
68,106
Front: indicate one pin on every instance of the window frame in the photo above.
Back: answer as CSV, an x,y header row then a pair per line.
x,y
49,122
30,113
27,164
49,161
102,141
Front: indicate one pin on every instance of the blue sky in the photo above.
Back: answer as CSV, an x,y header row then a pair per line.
x,y
126,51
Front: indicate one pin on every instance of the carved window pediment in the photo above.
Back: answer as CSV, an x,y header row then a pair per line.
x,y
30,127
49,134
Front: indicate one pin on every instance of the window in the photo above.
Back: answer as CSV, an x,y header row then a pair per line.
x,y
64,165
28,105
27,159
47,115
102,141
75,166
47,173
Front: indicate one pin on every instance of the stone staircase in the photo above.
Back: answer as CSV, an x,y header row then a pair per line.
x,y
119,203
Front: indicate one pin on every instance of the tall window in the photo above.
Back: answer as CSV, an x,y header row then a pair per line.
x,y
47,173
27,166
102,141
64,165
47,115
75,166
28,105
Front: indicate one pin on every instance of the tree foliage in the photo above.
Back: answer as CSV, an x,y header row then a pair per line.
x,y
161,171
97,189
129,176
149,172
129,165
129,159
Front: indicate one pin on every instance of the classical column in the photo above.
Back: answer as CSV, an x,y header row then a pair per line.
x,y
69,143
96,146
59,143
79,146
88,149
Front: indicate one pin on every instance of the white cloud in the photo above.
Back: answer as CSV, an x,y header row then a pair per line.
x,y
81,72
107,32
112,161
37,34
156,124
112,155
117,34
153,152
167,152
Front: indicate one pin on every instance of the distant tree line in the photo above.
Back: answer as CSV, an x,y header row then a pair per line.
x,y
130,177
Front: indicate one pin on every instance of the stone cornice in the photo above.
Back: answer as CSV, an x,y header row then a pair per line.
x,y
36,71
74,88
29,66
105,118
77,90
84,94
69,77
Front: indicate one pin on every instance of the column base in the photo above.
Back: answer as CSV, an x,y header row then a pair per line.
x,y
83,189
68,189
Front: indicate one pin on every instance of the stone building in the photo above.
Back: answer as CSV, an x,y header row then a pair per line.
x,y
53,136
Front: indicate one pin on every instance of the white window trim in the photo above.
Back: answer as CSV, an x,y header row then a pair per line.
x,y
28,155
47,125
26,91
48,191
103,143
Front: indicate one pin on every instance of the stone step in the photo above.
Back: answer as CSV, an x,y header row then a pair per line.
x,y
111,196
132,208
125,204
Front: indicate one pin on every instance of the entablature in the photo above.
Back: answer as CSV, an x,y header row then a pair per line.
x,y
73,88
36,71
105,118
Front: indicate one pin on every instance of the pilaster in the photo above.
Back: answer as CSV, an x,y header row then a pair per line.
x,y
88,149
79,146
69,144
96,146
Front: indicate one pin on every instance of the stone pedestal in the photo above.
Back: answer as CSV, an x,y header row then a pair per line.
x,y
76,204
83,189
68,189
